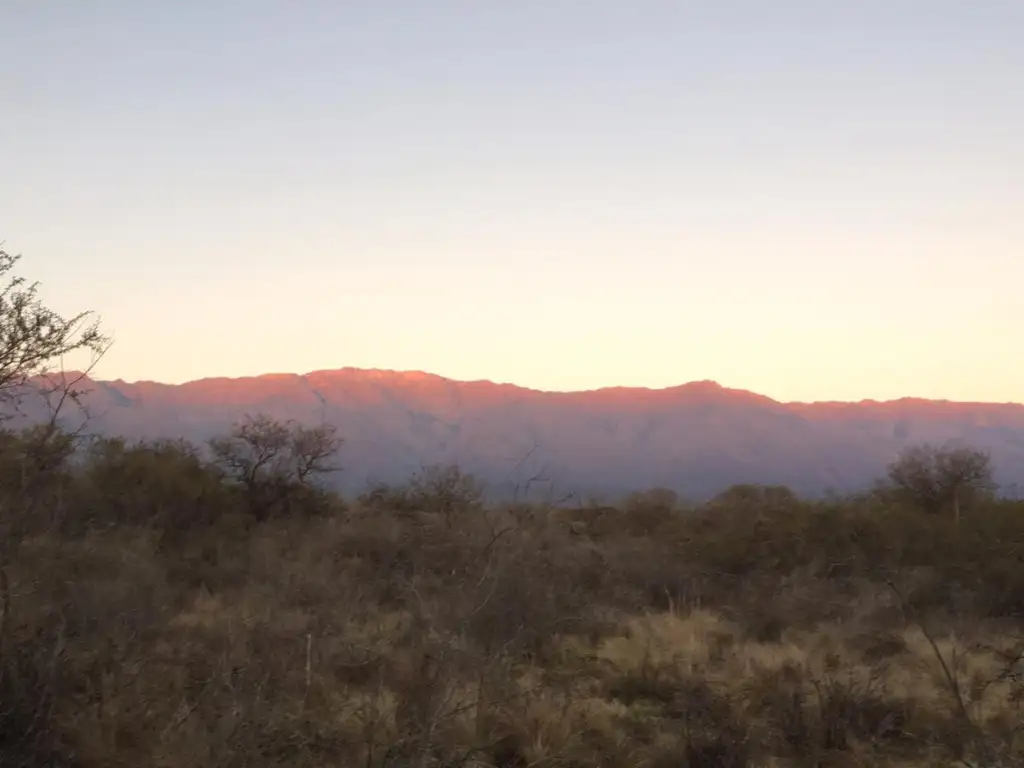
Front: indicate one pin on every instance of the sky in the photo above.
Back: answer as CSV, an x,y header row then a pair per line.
x,y
811,200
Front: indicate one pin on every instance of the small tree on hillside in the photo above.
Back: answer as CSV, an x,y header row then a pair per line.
x,y
271,460
941,479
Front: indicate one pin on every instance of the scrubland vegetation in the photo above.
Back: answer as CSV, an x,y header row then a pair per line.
x,y
161,608
163,604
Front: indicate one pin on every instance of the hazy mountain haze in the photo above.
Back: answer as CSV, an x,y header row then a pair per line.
x,y
696,438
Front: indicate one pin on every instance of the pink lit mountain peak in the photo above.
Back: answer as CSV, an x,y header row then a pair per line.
x,y
696,437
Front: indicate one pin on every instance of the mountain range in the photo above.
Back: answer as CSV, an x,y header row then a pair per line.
x,y
696,438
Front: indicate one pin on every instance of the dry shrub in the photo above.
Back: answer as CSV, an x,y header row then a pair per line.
x,y
168,626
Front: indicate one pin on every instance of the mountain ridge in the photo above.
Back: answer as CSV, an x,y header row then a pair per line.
x,y
696,437
416,374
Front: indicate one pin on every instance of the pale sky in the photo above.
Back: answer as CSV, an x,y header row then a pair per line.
x,y
812,200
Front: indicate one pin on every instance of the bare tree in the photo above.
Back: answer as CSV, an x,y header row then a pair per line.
x,y
445,489
270,459
34,339
313,450
941,479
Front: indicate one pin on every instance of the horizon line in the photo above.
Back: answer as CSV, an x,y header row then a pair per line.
x,y
607,388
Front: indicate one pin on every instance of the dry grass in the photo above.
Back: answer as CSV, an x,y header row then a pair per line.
x,y
456,635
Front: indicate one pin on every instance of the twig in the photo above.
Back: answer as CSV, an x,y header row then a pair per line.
x,y
309,668
951,676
